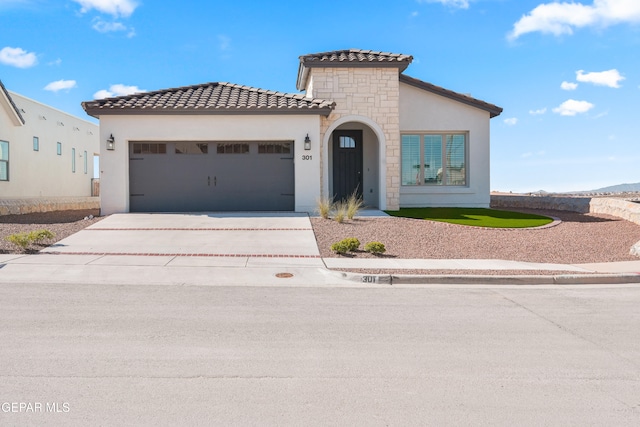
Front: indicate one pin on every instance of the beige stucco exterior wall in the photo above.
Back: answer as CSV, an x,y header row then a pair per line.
x,y
369,96
114,174
423,111
44,173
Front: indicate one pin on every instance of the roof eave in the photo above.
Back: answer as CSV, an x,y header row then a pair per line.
x,y
17,118
97,112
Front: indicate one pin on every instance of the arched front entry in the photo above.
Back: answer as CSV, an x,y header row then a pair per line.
x,y
354,154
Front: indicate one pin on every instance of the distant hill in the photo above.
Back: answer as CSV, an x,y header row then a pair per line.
x,y
620,188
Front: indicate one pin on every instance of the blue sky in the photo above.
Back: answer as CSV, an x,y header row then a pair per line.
x,y
566,73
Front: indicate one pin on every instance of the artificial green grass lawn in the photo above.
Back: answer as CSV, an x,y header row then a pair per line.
x,y
477,217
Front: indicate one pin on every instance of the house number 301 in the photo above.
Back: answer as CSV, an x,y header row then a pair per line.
x,y
306,157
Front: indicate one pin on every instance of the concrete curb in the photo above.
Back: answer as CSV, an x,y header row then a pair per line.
x,y
468,279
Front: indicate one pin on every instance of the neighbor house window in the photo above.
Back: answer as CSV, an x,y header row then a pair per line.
x,y
86,165
434,159
59,148
73,160
4,161
36,143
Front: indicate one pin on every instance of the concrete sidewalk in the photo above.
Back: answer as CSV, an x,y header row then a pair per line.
x,y
253,249
197,270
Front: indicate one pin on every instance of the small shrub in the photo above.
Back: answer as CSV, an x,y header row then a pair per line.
x,y
352,243
340,247
324,206
354,204
24,240
375,248
40,235
341,212
349,244
21,240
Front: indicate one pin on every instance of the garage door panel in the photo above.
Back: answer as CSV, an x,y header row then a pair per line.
x,y
212,181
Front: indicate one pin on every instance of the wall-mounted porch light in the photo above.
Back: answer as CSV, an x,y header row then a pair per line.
x,y
111,143
307,142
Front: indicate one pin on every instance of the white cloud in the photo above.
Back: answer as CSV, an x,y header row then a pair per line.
x,y
538,112
572,107
107,27
461,4
511,121
568,86
17,57
60,85
116,8
610,78
562,18
56,62
117,90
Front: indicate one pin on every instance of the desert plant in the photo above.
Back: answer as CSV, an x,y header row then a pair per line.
x,y
354,204
340,211
324,206
24,240
349,244
40,235
352,243
21,240
340,247
375,248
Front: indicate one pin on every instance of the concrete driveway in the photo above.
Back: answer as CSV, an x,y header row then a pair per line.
x,y
204,239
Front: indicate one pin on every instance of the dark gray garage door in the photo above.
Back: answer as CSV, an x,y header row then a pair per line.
x,y
211,176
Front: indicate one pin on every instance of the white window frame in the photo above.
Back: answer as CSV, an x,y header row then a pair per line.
x,y
5,161
420,175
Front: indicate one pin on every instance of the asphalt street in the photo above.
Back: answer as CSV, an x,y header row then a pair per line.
x,y
431,355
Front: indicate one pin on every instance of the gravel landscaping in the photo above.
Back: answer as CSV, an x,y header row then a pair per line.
x,y
579,238
61,223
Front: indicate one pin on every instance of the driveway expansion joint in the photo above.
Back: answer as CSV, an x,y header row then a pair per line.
x,y
180,254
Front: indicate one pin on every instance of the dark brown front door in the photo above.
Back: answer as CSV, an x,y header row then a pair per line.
x,y
347,163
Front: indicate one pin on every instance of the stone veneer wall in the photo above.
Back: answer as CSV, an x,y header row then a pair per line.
x,y
368,92
602,205
50,204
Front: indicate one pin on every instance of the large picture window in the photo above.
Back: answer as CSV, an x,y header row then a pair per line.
x,y
434,159
4,161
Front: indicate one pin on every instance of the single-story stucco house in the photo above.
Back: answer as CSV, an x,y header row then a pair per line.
x,y
361,125
45,154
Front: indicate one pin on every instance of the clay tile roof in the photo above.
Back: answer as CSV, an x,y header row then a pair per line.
x,y
493,110
350,57
209,98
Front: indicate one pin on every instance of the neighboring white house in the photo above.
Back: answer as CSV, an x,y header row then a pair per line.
x,y
44,153
361,125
